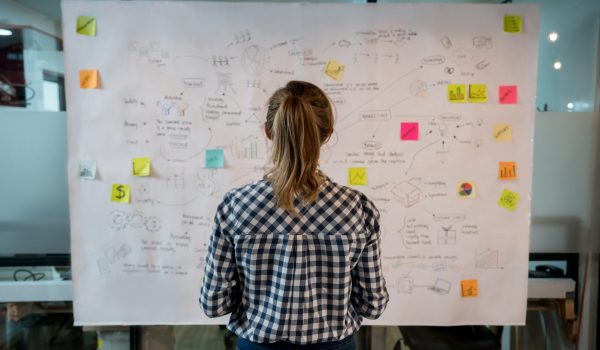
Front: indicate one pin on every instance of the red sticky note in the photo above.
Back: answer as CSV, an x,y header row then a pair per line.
x,y
409,131
508,94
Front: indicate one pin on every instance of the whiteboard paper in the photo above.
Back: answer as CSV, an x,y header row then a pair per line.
x,y
429,99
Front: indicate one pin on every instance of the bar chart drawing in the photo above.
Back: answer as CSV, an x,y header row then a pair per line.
x,y
246,148
487,259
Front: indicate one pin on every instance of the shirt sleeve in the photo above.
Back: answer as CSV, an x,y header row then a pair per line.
x,y
369,293
221,290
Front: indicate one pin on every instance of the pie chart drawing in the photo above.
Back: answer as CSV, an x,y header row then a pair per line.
x,y
465,189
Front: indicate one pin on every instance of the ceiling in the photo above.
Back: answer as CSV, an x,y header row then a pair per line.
x,y
50,8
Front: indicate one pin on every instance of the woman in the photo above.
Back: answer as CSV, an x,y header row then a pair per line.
x,y
295,257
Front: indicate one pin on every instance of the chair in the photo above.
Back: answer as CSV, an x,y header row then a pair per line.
x,y
451,338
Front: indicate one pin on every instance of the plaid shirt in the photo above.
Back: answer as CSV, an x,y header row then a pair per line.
x,y
304,279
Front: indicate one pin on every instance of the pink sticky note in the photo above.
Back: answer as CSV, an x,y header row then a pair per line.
x,y
409,131
508,94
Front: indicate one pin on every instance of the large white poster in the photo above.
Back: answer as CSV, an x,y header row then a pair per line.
x,y
435,112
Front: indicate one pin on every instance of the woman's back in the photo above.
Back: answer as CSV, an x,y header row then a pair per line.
x,y
295,257
304,278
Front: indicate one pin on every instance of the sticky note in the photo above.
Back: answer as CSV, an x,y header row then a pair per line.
x,y
507,170
409,131
502,133
509,200
88,79
468,288
214,158
477,93
513,24
457,93
120,193
87,169
334,69
466,189
86,25
357,176
507,94
141,166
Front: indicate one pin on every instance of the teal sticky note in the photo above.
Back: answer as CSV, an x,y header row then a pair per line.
x,y
214,158
87,169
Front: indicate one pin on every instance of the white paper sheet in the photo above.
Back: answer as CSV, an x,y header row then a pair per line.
x,y
178,78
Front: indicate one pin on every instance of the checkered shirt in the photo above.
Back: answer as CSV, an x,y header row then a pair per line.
x,y
304,279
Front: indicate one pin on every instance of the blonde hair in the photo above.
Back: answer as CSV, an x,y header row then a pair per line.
x,y
299,120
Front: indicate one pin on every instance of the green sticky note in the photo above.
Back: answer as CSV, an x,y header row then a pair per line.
x,y
513,24
214,158
141,166
357,176
86,25
509,200
120,193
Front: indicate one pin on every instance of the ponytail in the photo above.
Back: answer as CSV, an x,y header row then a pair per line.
x,y
299,120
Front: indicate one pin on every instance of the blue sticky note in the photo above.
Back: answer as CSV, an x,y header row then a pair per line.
x,y
214,158
87,169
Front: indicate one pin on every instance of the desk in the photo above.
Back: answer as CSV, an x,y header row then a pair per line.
x,y
551,288
34,291
550,311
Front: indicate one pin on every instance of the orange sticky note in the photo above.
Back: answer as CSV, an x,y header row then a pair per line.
x,y
468,288
509,200
507,170
502,133
88,79
357,176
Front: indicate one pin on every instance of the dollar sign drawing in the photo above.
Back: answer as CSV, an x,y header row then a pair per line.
x,y
121,194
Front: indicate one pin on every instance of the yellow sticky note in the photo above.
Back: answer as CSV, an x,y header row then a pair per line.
x,y
457,93
334,70
477,93
141,166
468,288
466,189
88,79
507,170
86,25
513,24
120,193
357,176
509,200
502,132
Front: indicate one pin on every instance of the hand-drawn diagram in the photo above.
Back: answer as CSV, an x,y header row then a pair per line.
x,y
430,164
406,285
120,220
487,259
407,194
446,235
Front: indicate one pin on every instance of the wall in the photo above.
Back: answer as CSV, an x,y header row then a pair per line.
x,y
34,212
565,198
